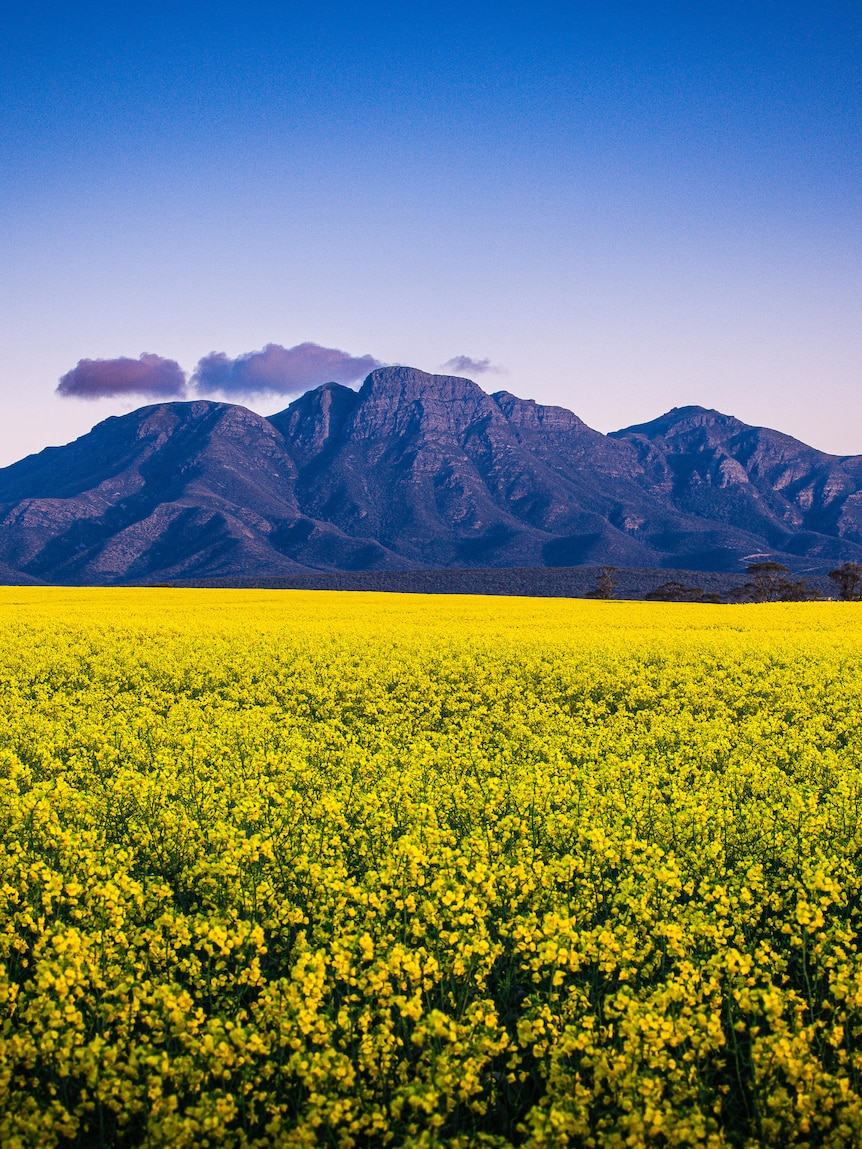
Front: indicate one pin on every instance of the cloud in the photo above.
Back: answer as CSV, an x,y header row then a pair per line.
x,y
150,376
280,370
463,364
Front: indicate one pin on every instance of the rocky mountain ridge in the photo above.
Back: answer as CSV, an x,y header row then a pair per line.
x,y
417,471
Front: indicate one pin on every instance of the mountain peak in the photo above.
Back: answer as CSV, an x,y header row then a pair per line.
x,y
406,384
393,398
527,414
680,419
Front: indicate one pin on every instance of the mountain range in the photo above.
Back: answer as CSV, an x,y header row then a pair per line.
x,y
417,471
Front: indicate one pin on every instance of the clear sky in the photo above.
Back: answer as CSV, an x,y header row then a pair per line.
x,y
624,207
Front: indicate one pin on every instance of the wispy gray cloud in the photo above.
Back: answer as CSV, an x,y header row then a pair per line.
x,y
465,365
279,370
149,376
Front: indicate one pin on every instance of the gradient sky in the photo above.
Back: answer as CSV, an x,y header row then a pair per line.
x,y
629,207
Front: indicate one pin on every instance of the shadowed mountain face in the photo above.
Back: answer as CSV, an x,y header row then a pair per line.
x,y
798,500
180,489
413,471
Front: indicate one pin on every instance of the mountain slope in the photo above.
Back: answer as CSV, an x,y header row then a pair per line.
x,y
797,499
433,468
413,471
449,476
171,490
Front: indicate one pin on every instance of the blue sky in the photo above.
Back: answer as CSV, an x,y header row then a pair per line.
x,y
626,207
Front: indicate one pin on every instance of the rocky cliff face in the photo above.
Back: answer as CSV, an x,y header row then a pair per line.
x,y
799,500
411,471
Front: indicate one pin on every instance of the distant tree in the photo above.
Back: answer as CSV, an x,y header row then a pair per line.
x,y
606,584
769,583
848,581
674,591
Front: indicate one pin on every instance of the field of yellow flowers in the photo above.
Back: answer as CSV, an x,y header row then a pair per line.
x,y
309,868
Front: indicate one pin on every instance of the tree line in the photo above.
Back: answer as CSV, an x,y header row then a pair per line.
x,y
767,582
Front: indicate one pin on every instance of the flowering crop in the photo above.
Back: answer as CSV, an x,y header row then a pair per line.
x,y
300,868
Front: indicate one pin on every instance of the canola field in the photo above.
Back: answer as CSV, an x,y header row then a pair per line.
x,y
309,868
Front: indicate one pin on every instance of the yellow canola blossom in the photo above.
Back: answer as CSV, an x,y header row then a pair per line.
x,y
302,868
